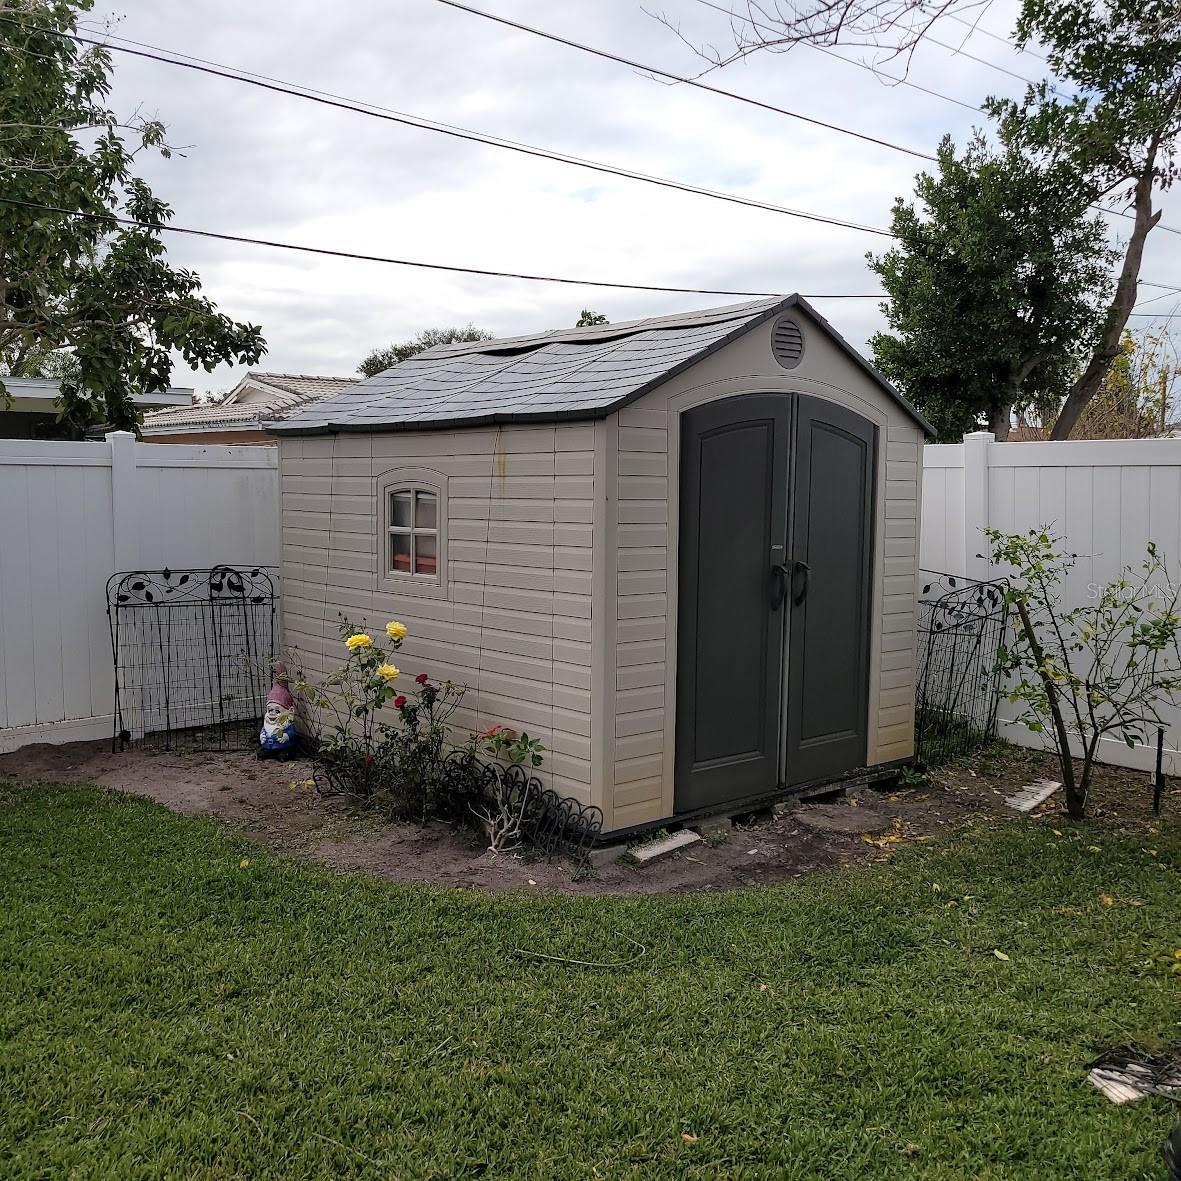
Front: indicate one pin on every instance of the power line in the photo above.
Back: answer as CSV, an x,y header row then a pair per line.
x,y
681,78
402,262
400,117
374,110
904,82
1006,41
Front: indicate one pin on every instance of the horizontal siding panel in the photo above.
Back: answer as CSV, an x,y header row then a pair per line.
x,y
900,547
639,676
633,416
631,770
894,715
645,812
631,631
654,558
644,792
574,463
642,439
642,582
641,606
907,452
640,700
634,746
576,511
642,512
578,606
647,721
482,508
641,536
571,628
896,677
642,463
642,488
647,652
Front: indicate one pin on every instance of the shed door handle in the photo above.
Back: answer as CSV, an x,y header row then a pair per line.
x,y
779,581
798,596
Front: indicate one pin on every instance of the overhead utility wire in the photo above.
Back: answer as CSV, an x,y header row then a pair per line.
x,y
682,79
475,136
375,111
402,262
904,82
658,72
975,28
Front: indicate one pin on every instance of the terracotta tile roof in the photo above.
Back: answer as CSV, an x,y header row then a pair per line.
x,y
281,394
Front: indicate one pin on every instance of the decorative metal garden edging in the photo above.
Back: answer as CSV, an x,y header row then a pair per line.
x,y
192,652
961,625
548,822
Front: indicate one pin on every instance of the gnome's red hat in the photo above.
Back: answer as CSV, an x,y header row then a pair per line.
x,y
280,695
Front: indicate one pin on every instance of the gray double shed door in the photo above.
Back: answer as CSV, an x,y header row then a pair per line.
x,y
776,568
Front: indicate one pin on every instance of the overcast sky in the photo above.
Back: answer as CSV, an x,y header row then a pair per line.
x,y
272,166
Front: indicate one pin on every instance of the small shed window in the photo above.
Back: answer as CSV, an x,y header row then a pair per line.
x,y
411,546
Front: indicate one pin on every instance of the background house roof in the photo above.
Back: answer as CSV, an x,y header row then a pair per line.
x,y
257,399
569,373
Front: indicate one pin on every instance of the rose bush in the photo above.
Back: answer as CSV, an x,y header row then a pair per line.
x,y
404,761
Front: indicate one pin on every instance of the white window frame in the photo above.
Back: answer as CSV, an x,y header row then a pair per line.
x,y
411,480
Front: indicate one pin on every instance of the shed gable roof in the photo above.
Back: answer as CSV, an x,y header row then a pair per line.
x,y
573,373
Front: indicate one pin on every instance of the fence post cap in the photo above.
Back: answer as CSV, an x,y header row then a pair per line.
x,y
980,437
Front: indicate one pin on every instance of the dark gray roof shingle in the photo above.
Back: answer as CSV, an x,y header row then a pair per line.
x,y
566,374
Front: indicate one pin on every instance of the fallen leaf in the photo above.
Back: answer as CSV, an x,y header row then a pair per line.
x,y
688,1137
1000,955
244,863
532,882
1107,899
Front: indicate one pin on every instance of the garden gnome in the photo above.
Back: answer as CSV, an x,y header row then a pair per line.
x,y
277,737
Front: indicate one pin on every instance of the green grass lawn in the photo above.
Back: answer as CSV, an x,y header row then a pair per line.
x,y
169,1011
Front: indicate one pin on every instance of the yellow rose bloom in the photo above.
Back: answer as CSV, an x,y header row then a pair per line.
x,y
388,672
395,630
360,640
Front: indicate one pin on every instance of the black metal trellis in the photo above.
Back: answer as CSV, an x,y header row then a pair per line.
x,y
192,652
961,625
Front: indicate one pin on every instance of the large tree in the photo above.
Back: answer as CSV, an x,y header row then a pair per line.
x,y
1118,132
393,354
1113,118
83,295
993,285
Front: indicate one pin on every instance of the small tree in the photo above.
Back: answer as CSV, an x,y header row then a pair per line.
x,y
995,285
1083,673
381,359
85,298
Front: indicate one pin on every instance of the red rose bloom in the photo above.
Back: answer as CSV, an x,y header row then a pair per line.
x,y
399,701
421,678
492,730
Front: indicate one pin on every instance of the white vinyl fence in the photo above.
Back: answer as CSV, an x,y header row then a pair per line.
x,y
1106,499
71,515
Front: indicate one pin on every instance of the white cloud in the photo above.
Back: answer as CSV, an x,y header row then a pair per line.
x,y
273,166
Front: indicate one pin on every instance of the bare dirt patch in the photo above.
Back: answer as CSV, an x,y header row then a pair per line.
x,y
269,802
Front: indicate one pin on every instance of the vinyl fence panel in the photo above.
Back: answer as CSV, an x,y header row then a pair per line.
x,y
73,514
1106,499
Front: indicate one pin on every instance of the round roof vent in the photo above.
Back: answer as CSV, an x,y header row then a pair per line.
x,y
787,342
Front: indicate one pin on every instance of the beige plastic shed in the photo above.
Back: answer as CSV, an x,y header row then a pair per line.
x,y
682,551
